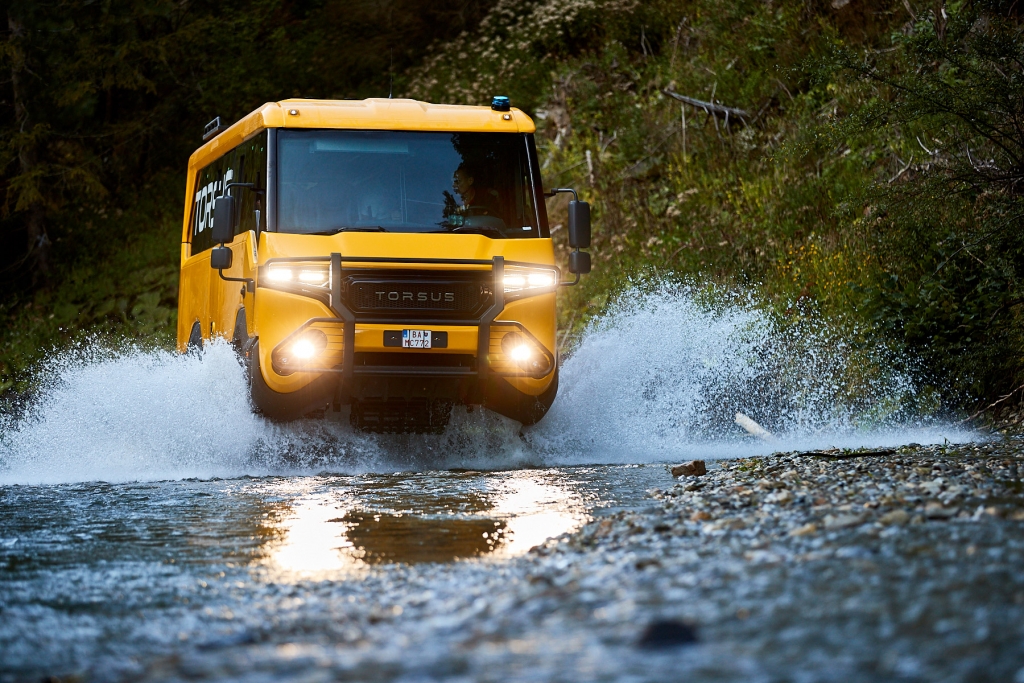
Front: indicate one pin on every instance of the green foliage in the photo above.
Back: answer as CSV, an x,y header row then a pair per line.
x,y
127,287
874,180
949,98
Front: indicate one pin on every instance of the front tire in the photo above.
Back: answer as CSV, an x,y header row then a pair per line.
x,y
194,346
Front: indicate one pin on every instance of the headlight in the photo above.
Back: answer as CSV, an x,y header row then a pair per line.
x,y
527,281
311,279
310,275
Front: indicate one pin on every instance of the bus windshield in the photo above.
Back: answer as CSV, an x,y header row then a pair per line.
x,y
332,181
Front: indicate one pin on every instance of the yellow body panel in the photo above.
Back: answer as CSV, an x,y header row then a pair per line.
x,y
273,315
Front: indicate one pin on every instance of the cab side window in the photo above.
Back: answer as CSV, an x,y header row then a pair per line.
x,y
244,164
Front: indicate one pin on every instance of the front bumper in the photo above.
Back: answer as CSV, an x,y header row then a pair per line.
x,y
464,360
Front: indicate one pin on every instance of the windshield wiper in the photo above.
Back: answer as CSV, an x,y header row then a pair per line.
x,y
375,228
472,230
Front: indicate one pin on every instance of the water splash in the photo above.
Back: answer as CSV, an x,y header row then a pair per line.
x,y
657,379
664,374
133,415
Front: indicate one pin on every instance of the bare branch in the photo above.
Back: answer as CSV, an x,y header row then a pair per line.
x,y
716,110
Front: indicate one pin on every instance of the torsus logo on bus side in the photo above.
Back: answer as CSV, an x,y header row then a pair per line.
x,y
422,297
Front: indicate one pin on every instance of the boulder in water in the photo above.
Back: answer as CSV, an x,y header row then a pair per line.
x,y
693,468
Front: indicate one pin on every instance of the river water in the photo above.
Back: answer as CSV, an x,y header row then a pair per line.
x,y
152,527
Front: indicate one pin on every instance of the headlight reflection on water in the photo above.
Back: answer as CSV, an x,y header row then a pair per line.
x,y
343,531
313,544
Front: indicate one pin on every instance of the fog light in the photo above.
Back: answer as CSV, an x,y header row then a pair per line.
x,y
303,349
517,349
520,353
295,355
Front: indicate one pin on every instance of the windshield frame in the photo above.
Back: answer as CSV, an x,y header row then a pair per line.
x,y
531,172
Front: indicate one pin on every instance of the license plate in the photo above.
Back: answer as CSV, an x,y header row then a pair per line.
x,y
415,339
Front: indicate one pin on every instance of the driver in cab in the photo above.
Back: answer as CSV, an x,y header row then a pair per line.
x,y
474,200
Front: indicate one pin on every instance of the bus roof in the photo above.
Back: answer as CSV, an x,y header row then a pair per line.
x,y
368,114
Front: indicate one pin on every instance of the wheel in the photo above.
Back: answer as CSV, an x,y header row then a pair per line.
x,y
194,347
240,336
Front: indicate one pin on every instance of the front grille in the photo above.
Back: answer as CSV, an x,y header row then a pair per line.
x,y
454,296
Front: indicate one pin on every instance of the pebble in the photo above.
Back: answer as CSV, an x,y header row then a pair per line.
x,y
897,517
693,468
666,633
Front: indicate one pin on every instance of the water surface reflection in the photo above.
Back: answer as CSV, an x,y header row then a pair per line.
x,y
343,526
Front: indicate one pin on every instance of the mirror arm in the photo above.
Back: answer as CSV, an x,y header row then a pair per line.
x,y
250,284
554,191
571,283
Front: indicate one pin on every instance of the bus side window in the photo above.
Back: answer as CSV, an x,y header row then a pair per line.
x,y
251,161
209,185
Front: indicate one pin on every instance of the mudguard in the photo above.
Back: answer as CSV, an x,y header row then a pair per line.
x,y
504,399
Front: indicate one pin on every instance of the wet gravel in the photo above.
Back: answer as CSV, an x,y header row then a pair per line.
x,y
906,566
900,567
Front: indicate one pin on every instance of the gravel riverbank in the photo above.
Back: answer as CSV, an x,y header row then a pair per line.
x,y
904,566
907,566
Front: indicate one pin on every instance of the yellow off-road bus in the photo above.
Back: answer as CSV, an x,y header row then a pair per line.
x,y
388,255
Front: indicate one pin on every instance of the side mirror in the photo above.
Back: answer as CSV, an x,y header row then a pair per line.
x,y
579,262
224,219
579,225
220,258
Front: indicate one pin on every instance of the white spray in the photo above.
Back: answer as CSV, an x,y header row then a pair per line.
x,y
658,380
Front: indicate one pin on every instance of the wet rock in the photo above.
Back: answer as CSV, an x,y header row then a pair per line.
x,y
805,530
896,517
780,497
666,633
728,524
938,511
841,521
693,468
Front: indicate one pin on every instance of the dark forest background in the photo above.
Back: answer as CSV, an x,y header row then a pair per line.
x,y
101,97
869,171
